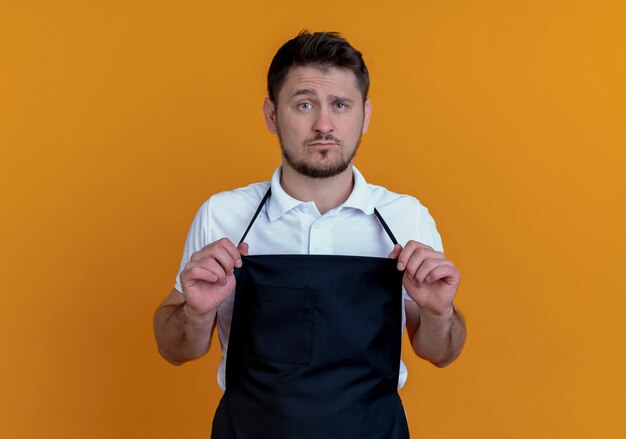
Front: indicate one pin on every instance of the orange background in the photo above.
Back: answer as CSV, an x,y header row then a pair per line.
x,y
119,118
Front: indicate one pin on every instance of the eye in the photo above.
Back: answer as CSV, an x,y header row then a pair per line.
x,y
304,105
341,105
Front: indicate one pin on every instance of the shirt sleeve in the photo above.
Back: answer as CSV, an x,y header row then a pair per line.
x,y
197,238
427,230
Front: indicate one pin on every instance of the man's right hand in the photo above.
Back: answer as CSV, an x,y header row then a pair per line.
x,y
208,278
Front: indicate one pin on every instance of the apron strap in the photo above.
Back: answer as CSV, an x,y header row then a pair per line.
x,y
269,192
258,210
385,226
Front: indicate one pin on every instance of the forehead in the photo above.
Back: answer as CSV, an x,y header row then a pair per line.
x,y
331,80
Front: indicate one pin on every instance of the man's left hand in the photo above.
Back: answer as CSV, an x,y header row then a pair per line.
x,y
429,278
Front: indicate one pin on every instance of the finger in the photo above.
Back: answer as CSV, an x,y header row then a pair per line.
x,y
209,265
405,255
217,268
395,252
210,249
413,264
417,244
196,272
225,258
426,269
230,248
206,251
243,250
407,252
446,273
415,252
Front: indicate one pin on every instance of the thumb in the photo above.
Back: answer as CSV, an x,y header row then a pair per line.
x,y
395,252
243,248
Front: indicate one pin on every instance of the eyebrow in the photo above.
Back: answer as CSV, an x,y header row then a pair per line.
x,y
311,92
303,92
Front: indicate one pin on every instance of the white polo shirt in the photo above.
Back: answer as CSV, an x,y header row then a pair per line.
x,y
289,226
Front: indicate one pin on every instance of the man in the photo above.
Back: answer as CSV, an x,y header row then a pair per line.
x,y
311,307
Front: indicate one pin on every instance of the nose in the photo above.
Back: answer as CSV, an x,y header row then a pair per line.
x,y
323,122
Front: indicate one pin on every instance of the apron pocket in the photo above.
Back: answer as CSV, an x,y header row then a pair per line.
x,y
280,325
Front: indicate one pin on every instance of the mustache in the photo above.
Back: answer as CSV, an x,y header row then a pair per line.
x,y
325,138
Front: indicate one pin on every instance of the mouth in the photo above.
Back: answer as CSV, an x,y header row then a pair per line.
x,y
322,144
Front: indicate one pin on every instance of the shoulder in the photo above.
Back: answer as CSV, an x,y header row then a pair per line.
x,y
384,199
406,215
243,196
235,203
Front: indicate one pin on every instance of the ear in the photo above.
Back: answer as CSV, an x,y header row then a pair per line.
x,y
269,111
367,113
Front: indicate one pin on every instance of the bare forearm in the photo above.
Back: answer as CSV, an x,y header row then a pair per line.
x,y
440,339
180,336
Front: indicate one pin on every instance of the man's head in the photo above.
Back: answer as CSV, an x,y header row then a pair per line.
x,y
322,50
318,103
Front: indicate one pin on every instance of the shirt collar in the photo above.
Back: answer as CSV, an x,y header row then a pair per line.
x,y
281,202
361,197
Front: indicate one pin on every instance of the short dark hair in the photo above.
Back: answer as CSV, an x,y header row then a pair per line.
x,y
322,50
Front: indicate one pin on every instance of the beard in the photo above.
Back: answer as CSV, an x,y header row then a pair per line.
x,y
326,168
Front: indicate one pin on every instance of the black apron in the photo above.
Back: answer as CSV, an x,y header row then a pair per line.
x,y
314,349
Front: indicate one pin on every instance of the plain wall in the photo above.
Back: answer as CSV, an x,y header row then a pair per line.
x,y
119,118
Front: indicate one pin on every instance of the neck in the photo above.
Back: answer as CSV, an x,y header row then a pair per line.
x,y
327,193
